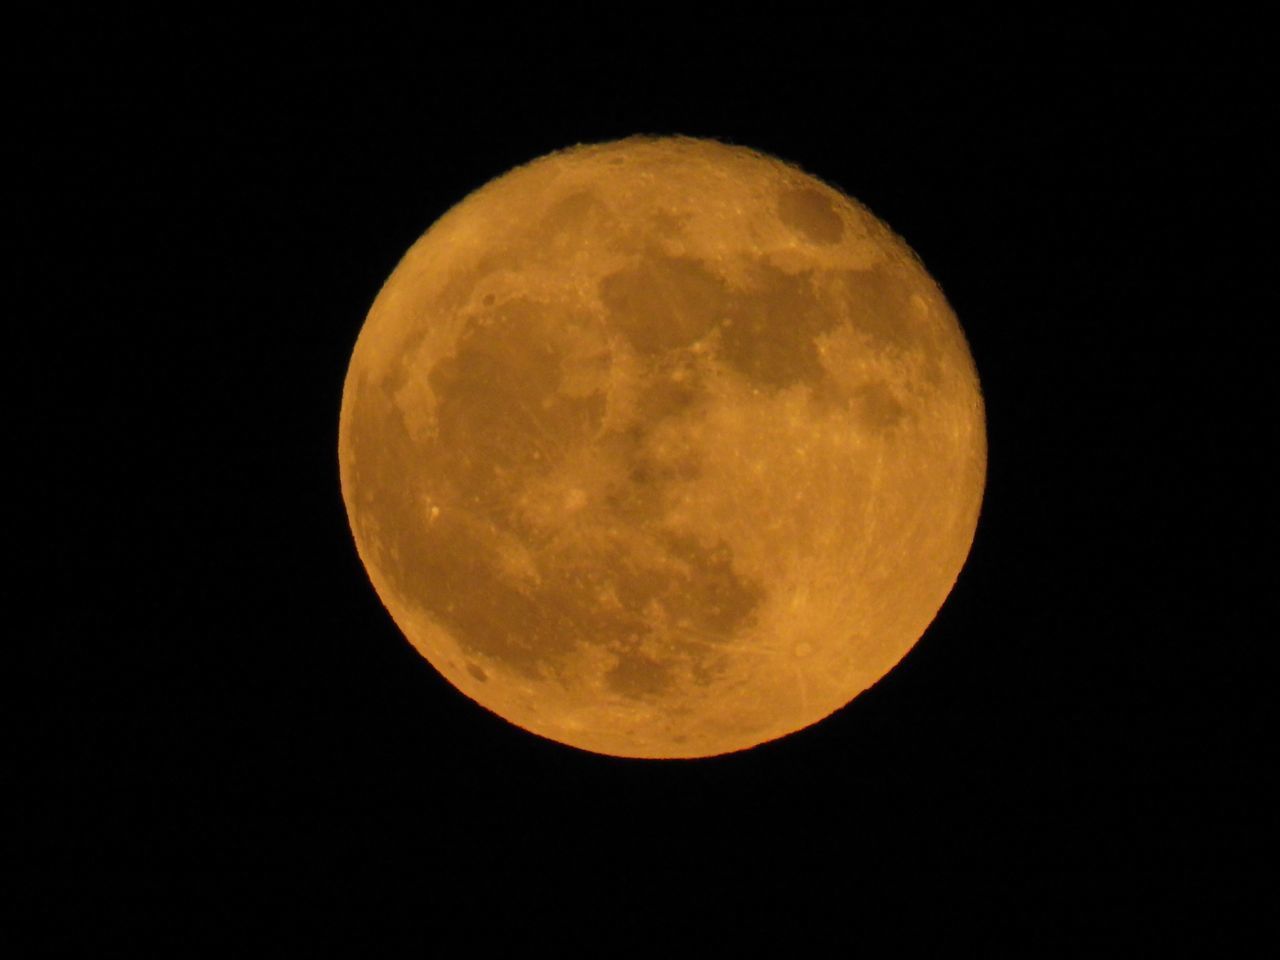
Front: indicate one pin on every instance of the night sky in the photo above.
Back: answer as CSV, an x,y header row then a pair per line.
x,y
203,214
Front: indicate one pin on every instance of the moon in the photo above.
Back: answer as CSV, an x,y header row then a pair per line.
x,y
661,447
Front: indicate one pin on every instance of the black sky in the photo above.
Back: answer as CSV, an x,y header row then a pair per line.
x,y
203,213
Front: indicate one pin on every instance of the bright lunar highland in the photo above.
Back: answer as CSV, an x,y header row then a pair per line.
x,y
661,447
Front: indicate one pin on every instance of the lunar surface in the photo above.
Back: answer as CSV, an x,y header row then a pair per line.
x,y
661,447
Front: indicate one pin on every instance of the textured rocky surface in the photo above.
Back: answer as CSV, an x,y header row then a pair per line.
x,y
661,447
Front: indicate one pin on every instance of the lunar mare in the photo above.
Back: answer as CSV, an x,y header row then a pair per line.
x,y
661,447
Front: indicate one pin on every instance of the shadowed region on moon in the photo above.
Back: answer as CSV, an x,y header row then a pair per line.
x,y
811,214
679,459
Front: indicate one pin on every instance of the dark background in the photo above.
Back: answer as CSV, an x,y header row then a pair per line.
x,y
204,212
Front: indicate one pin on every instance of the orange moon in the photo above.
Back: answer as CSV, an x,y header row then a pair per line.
x,y
661,447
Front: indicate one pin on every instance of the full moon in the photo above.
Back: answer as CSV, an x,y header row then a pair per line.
x,y
661,447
